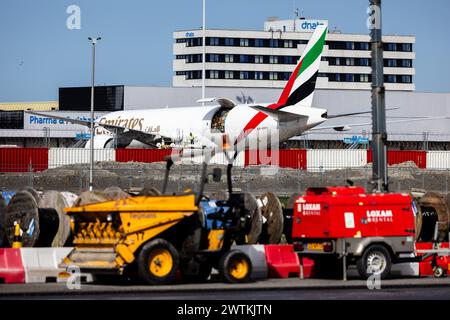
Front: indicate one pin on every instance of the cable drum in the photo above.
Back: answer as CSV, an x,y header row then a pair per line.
x,y
251,205
432,209
23,208
56,202
272,211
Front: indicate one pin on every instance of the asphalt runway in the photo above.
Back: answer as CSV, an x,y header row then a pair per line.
x,y
272,289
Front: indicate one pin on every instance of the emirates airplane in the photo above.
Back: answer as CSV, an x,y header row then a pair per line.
x,y
226,122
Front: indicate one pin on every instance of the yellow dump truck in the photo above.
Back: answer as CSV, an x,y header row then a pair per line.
x,y
161,238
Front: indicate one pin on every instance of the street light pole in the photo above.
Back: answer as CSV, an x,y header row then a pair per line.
x,y
380,181
92,131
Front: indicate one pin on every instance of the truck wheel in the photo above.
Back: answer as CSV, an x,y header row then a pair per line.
x,y
235,267
376,260
158,262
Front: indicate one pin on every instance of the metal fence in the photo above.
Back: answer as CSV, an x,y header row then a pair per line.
x,y
255,179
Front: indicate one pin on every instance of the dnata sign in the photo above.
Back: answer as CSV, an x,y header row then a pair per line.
x,y
310,25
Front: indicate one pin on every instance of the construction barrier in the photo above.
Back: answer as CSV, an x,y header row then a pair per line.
x,y
11,266
38,159
295,159
41,265
401,156
282,261
23,159
257,256
332,159
58,157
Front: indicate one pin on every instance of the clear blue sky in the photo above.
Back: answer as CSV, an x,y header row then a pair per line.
x,y
39,54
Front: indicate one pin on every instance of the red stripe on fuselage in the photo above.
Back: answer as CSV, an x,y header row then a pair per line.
x,y
260,116
255,121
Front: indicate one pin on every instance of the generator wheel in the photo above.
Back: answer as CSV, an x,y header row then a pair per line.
x,y
235,267
376,260
438,272
158,262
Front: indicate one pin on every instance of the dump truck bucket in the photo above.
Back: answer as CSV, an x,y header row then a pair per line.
x,y
108,234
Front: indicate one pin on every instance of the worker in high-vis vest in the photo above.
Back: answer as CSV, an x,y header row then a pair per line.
x,y
191,138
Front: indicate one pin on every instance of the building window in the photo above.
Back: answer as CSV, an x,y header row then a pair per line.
x,y
391,63
406,47
288,43
193,58
259,59
273,43
258,75
364,46
391,79
259,43
243,75
349,77
273,59
229,58
350,46
193,75
406,79
364,62
229,41
390,47
334,77
213,41
213,58
273,75
213,74
229,74
289,60
406,63
243,58
349,61
243,42
193,42
338,61
363,78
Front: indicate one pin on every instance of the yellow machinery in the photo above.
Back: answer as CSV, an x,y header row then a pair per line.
x,y
158,238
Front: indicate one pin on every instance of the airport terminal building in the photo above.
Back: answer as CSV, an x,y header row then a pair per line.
x,y
22,129
266,58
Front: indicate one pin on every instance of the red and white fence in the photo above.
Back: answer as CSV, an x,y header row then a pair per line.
x,y
39,159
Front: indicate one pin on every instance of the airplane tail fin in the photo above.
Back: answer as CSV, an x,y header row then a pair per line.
x,y
302,83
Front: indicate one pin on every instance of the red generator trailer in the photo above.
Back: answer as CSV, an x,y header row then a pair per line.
x,y
372,231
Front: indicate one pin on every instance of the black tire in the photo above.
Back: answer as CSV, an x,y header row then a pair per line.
x,y
150,267
377,257
235,267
